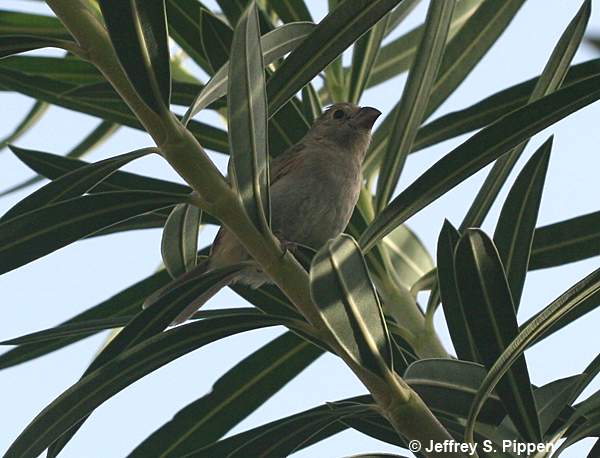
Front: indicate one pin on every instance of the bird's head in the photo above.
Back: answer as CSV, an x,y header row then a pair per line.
x,y
347,126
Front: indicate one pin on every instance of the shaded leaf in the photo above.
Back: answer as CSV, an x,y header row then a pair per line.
x,y
409,257
550,80
15,44
138,31
332,36
72,184
566,241
30,120
144,325
123,304
247,116
129,366
447,386
239,392
397,56
411,107
478,151
291,10
62,94
490,314
179,245
454,312
516,224
532,332
341,287
364,54
274,44
42,231
216,38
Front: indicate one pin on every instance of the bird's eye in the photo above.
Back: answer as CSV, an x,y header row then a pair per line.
x,y
338,114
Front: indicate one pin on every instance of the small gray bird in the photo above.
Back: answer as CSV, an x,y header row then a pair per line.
x,y
314,187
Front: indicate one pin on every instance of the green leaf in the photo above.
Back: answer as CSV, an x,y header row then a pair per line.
x,y
216,38
184,27
516,224
91,391
138,31
412,105
566,241
447,386
238,393
30,120
490,314
37,233
179,245
397,56
68,69
274,44
53,166
311,105
122,304
247,115
531,333
95,138
401,12
471,118
86,328
478,151
72,184
20,23
341,287
409,257
146,324
291,10
454,312
329,39
587,306
364,54
470,44
553,397
550,80
287,435
15,44
62,94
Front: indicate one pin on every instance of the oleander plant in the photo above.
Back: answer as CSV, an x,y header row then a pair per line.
x,y
267,69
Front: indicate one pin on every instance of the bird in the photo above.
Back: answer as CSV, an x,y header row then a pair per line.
x,y
314,186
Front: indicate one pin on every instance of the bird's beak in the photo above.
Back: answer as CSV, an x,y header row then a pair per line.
x,y
366,117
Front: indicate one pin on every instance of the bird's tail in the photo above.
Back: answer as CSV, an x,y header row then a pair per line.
x,y
196,273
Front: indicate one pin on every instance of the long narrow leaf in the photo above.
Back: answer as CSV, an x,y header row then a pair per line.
x,y
331,37
516,224
341,286
239,392
247,115
129,366
143,326
550,80
478,151
274,44
415,97
73,184
40,232
566,241
138,31
31,118
565,303
462,337
179,244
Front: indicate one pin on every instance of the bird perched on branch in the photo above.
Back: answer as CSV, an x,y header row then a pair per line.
x,y
314,187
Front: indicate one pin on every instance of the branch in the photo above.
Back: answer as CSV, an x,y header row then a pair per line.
x,y
398,402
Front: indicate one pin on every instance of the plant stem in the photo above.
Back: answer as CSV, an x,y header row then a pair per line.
x,y
399,403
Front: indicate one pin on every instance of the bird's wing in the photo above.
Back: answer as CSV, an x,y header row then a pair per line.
x,y
286,162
